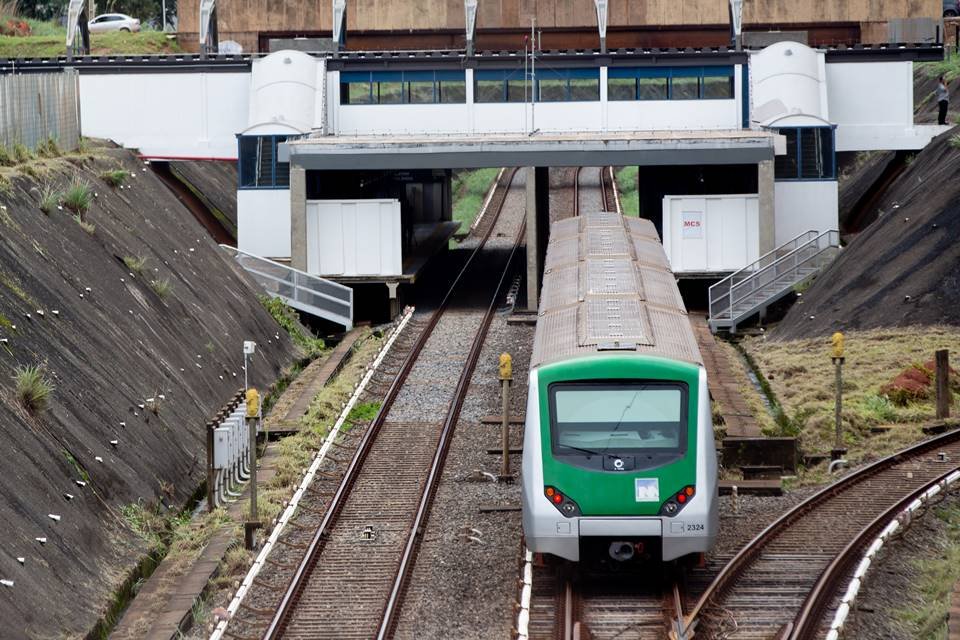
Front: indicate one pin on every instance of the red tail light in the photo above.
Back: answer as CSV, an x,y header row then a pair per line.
x,y
563,503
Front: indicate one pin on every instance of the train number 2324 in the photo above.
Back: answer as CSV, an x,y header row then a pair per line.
x,y
694,527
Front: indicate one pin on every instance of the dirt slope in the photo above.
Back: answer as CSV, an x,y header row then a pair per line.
x,y
904,268
108,341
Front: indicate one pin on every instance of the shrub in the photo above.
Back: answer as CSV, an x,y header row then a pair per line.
x,y
161,286
135,264
49,148
287,318
115,178
32,388
49,198
880,408
6,160
955,141
78,197
21,154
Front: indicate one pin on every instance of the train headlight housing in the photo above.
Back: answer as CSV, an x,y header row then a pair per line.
x,y
677,501
563,503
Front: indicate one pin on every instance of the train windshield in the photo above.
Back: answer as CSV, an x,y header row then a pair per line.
x,y
617,418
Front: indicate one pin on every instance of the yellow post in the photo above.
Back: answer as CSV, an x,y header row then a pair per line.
x,y
838,358
506,376
253,413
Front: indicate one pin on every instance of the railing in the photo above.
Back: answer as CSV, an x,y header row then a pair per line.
x,y
783,267
301,290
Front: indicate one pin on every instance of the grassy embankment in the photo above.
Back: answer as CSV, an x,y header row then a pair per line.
x,y
800,375
470,189
627,185
47,39
927,619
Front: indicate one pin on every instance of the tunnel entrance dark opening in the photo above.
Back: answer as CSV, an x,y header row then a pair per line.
x,y
655,182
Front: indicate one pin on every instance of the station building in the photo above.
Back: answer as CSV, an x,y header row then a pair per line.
x,y
345,159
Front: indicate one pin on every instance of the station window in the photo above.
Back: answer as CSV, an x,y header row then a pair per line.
x,y
810,154
553,85
259,168
500,85
670,83
403,87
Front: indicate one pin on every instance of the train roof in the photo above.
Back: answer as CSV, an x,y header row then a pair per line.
x,y
607,286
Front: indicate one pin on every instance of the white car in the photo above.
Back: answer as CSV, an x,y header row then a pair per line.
x,y
113,22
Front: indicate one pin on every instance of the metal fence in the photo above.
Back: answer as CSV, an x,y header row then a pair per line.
x,y
37,107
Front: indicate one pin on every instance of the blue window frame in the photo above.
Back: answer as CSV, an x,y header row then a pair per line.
x,y
553,85
810,154
670,83
258,165
403,87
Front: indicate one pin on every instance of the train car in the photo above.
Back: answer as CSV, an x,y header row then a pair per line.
x,y
619,460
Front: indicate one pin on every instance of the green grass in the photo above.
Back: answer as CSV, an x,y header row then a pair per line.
x,y
32,388
470,189
949,67
88,227
136,264
115,177
629,197
287,318
799,375
47,45
49,198
78,197
161,286
928,619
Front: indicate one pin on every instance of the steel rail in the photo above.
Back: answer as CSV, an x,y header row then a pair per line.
x,y
751,551
807,623
297,583
407,561
603,191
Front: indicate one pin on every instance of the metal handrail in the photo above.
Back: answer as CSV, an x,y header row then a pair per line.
x,y
751,268
306,289
792,254
751,273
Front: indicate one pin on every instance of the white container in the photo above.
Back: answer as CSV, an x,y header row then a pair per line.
x,y
711,234
350,238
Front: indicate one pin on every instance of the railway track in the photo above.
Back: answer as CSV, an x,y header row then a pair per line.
x,y
352,576
569,603
782,584
593,190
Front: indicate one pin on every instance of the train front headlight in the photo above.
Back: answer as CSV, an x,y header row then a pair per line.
x,y
563,503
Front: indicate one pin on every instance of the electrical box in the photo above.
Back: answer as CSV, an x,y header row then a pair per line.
x,y
221,447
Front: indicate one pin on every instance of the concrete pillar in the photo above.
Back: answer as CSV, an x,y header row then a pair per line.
x,y
533,268
766,201
298,217
538,229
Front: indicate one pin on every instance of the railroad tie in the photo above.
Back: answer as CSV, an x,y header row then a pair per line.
x,y
258,612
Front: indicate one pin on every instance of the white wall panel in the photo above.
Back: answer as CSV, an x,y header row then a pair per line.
x,y
354,238
176,115
803,206
263,222
711,234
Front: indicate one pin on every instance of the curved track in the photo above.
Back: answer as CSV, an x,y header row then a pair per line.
x,y
782,582
351,580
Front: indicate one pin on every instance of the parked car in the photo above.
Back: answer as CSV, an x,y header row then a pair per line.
x,y
950,9
113,22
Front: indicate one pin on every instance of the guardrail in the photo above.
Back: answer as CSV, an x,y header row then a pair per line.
x,y
743,291
308,293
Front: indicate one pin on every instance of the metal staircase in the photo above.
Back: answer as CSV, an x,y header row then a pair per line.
x,y
308,293
759,284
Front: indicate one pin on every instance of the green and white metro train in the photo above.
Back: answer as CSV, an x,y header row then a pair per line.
x,y
618,455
